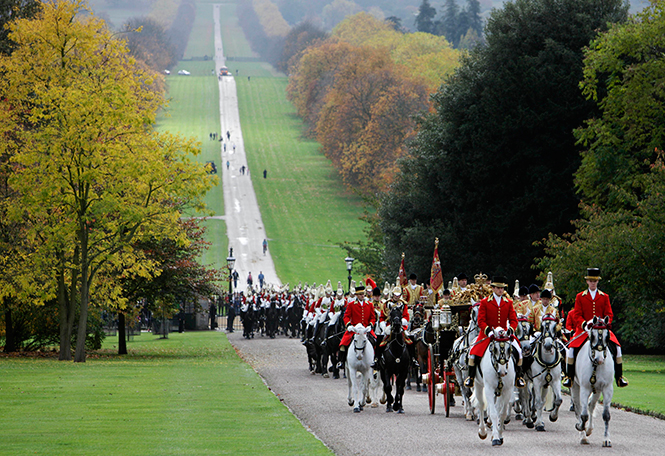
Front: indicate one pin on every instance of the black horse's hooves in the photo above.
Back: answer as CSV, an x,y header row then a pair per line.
x,y
400,410
389,409
497,442
540,428
356,410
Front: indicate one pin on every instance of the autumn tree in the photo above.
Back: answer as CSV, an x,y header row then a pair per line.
x,y
9,11
621,179
90,171
148,41
178,275
297,40
491,171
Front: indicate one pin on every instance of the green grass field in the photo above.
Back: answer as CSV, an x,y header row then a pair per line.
x,y
193,111
646,389
305,209
189,394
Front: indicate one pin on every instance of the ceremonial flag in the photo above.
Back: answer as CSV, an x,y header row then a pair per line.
x,y
436,277
403,281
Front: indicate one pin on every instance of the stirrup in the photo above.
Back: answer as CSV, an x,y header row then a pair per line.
x,y
622,382
469,382
567,382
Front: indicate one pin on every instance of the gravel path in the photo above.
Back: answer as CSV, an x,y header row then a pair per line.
x,y
320,404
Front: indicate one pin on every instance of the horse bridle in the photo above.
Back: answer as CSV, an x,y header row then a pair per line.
x,y
501,360
600,347
537,353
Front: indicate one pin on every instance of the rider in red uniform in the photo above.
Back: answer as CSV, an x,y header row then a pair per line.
x,y
588,304
359,310
494,311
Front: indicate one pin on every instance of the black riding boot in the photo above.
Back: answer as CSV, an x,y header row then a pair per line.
x,y
341,358
570,374
618,376
519,377
471,378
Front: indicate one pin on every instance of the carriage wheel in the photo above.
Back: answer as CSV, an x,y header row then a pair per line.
x,y
447,396
431,387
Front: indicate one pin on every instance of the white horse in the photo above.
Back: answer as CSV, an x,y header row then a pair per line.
x,y
461,348
594,375
523,404
494,385
358,366
375,392
545,371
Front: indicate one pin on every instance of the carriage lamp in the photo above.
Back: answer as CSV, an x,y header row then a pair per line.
x,y
349,266
446,315
436,319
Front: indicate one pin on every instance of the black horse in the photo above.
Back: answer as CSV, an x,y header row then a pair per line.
x,y
247,317
395,361
272,319
315,349
293,318
334,335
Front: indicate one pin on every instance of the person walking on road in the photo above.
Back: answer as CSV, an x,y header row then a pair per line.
x,y
228,163
228,135
265,246
250,281
235,279
261,279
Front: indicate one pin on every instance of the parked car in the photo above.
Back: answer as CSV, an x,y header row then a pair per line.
x,y
183,73
167,72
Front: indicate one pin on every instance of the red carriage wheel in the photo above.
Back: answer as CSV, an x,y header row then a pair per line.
x,y
431,387
447,397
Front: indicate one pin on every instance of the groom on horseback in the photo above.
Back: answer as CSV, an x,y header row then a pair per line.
x,y
588,304
359,310
494,311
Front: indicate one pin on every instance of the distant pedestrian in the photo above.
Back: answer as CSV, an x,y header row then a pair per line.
x,y
265,173
236,72
265,246
234,148
250,281
228,163
231,315
235,278
247,78
228,134
224,147
261,278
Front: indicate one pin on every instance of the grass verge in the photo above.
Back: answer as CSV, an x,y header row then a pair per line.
x,y
187,395
304,206
646,392
193,111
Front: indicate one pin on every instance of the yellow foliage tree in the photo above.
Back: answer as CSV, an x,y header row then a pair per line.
x,y
89,171
271,18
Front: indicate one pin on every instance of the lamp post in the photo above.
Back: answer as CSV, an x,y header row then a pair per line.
x,y
349,265
230,262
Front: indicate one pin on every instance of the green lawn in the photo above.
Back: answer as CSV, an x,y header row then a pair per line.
x,y
304,206
187,395
193,111
646,389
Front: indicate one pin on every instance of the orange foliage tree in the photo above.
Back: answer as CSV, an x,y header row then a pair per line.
x,y
359,91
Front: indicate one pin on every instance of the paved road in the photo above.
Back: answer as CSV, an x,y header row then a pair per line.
x,y
243,219
320,404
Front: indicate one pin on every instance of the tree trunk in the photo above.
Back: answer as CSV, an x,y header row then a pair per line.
x,y
79,356
66,305
122,338
10,339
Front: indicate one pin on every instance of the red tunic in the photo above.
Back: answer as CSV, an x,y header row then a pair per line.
x,y
492,315
358,312
585,309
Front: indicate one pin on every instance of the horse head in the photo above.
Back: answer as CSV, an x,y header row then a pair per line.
x,y
501,350
523,330
599,336
396,320
548,331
